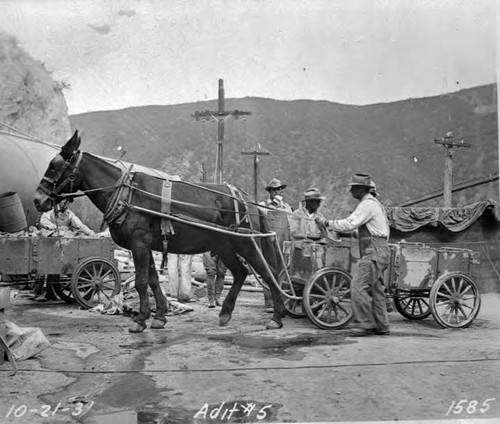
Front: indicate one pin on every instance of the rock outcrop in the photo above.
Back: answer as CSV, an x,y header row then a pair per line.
x,y
31,100
33,103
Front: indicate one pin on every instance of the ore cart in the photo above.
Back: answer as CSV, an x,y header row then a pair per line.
x,y
425,280
317,282
421,280
86,266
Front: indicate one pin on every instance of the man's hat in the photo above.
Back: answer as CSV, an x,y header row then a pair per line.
x,y
313,194
275,184
362,180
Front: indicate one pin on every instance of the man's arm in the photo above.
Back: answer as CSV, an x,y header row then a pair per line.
x,y
360,216
78,225
46,221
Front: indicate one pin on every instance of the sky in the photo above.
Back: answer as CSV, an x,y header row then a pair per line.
x,y
119,54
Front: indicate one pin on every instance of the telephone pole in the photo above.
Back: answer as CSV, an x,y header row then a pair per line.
x,y
450,144
220,115
255,153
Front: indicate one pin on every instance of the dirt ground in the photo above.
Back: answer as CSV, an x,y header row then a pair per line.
x,y
194,371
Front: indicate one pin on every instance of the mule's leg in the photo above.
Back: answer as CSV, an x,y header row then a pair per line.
x,y
239,274
267,272
159,320
141,258
279,308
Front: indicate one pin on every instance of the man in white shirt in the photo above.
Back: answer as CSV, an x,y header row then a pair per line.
x,y
367,288
303,224
64,218
60,219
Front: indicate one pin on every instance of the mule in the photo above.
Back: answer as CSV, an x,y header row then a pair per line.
x,y
204,217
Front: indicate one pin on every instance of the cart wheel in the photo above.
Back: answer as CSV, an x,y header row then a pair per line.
x,y
95,281
327,298
412,304
293,308
63,290
455,300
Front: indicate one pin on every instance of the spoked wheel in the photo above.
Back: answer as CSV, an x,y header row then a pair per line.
x,y
327,298
63,290
455,300
293,307
95,281
412,304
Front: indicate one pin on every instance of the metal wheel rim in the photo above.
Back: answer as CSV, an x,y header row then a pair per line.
x,y
327,298
412,306
293,308
455,300
95,281
64,291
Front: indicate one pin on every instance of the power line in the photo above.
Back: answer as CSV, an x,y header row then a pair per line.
x,y
220,116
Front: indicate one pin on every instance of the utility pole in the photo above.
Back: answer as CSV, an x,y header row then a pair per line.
x,y
220,115
450,144
255,153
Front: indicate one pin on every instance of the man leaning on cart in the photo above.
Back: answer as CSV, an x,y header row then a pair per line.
x,y
367,287
60,219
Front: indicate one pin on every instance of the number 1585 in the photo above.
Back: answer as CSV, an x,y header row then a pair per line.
x,y
469,406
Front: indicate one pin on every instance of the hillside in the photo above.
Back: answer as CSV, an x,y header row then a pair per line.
x,y
314,143
31,100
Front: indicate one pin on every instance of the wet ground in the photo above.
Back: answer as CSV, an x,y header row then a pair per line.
x,y
194,371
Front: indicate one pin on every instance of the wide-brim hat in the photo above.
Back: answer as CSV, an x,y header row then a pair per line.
x,y
313,194
275,184
362,180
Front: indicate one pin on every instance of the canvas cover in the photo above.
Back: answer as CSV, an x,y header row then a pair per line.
x,y
453,219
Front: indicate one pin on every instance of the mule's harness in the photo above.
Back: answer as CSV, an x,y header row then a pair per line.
x,y
120,199
70,179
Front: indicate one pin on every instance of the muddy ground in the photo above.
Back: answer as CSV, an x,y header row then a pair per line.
x,y
194,371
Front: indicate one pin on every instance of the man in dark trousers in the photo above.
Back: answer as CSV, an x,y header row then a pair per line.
x,y
367,288
275,201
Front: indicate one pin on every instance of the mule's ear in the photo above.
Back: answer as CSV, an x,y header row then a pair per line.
x,y
71,146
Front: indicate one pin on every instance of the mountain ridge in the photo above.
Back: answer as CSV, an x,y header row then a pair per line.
x,y
313,143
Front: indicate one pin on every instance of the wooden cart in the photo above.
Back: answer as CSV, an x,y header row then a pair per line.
x,y
318,282
86,266
422,280
427,280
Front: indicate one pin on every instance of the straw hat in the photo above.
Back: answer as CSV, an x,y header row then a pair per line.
x,y
275,184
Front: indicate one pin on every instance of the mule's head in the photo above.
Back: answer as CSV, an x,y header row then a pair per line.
x,y
61,177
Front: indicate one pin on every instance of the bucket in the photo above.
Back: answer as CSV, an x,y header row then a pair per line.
x,y
12,217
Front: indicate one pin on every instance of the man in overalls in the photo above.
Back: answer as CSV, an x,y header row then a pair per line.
x,y
275,201
367,288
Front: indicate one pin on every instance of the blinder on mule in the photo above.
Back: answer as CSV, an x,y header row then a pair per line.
x,y
56,185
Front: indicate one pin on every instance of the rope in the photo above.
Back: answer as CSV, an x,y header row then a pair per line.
x,y
28,136
260,369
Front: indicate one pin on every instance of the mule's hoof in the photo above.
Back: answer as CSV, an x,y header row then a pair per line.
x,y
158,324
273,325
137,328
224,319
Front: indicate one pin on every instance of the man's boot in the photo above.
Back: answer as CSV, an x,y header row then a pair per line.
x,y
211,293
219,286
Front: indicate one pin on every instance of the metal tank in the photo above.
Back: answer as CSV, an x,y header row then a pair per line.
x,y
23,162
